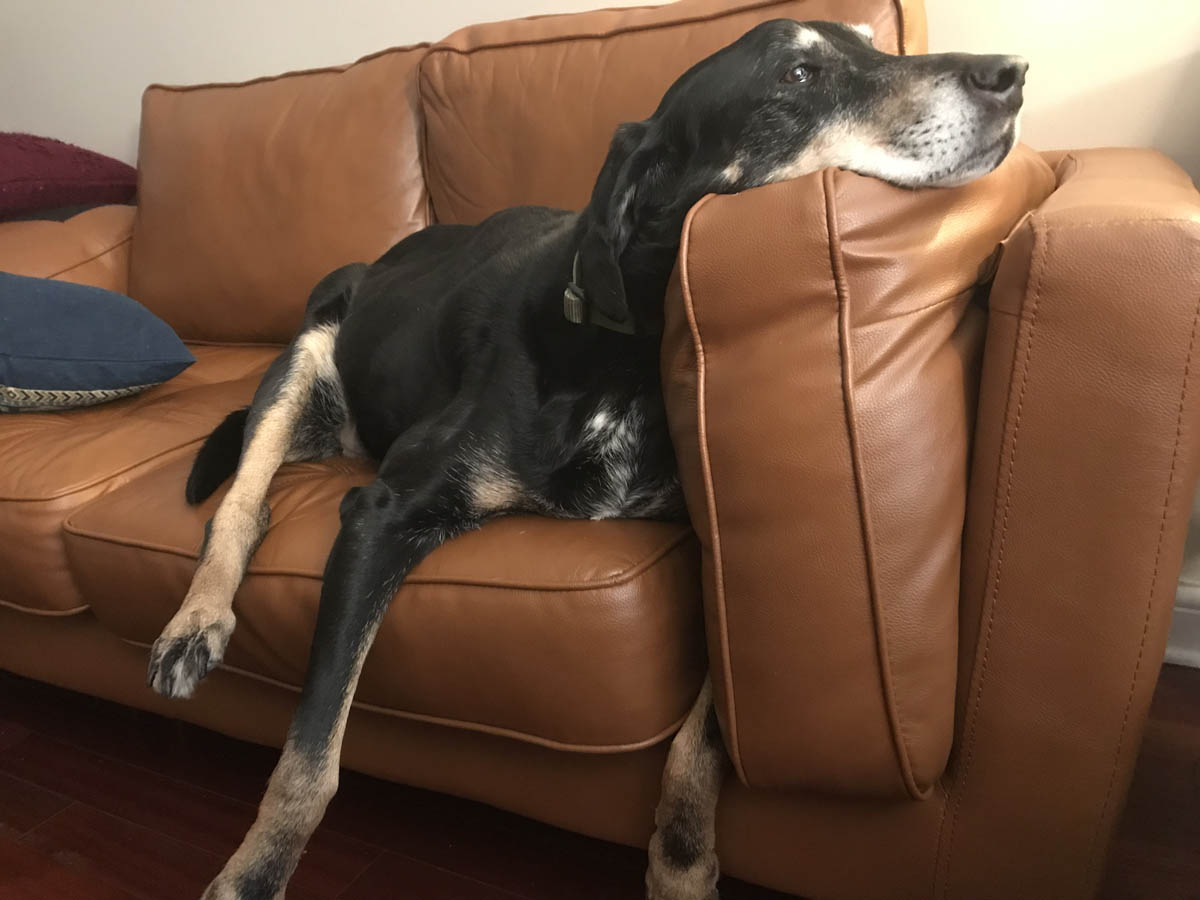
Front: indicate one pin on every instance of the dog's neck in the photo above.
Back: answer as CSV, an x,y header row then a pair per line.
x,y
647,264
649,258
628,236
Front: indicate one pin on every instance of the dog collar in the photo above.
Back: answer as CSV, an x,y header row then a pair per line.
x,y
578,309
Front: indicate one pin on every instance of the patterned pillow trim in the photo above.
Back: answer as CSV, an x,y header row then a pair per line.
x,y
14,399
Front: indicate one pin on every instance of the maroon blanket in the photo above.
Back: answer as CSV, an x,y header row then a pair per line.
x,y
41,173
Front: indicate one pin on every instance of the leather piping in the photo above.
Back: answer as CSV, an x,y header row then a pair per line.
x,y
83,262
483,728
627,29
295,73
615,580
901,24
48,613
725,662
886,677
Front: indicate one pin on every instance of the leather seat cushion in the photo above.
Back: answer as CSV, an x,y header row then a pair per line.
x,y
56,462
577,635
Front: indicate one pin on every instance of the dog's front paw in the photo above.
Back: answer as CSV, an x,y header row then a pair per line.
x,y
188,649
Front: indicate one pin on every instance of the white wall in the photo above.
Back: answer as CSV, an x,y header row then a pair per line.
x,y
75,69
1103,71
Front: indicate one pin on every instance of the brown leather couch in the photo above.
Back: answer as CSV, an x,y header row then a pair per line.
x,y
913,711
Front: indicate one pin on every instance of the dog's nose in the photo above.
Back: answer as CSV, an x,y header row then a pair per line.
x,y
998,78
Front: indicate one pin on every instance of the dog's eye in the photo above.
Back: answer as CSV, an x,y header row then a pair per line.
x,y
799,75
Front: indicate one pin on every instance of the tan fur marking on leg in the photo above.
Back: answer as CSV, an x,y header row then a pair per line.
x,y
297,794
491,494
492,486
683,859
234,529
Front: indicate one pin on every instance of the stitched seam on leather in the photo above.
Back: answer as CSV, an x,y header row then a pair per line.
x,y
616,32
944,787
84,262
464,725
622,578
883,660
685,282
48,613
999,520
1093,859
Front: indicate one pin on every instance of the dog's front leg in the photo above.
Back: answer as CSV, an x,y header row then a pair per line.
x,y
387,528
683,850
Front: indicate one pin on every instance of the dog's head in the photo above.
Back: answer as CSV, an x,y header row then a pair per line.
x,y
786,99
796,97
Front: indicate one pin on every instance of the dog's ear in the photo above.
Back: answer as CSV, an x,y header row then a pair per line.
x,y
611,218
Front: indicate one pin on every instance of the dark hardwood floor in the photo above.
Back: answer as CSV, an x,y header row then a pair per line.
x,y
99,802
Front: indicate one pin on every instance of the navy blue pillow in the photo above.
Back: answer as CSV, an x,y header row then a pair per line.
x,y
64,345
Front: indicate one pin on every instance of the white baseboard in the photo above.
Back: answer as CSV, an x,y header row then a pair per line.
x,y
1183,646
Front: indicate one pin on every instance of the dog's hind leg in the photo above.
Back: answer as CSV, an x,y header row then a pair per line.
x,y
294,416
419,501
195,638
683,854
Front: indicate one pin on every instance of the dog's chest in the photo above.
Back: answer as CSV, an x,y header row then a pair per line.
x,y
624,477
616,463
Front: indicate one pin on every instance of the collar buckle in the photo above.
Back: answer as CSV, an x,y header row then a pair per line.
x,y
578,309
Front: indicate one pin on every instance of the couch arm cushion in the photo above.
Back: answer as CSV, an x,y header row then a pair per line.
x,y
90,248
819,370
249,194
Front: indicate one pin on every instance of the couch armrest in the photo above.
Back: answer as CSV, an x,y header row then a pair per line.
x,y
819,364
90,248
1086,454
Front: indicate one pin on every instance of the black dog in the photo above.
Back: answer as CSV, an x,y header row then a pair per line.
x,y
513,365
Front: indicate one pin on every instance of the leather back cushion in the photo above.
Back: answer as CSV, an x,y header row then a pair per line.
x,y
249,194
523,111
820,376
